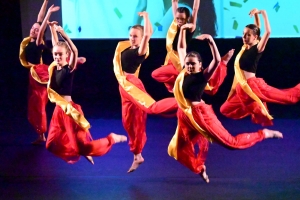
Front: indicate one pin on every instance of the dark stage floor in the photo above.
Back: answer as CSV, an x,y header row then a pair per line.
x,y
269,170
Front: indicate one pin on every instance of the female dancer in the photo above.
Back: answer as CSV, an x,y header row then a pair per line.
x,y
31,57
68,136
197,122
168,73
136,103
249,94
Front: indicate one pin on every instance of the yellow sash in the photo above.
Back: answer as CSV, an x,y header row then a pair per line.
x,y
24,62
186,106
54,97
139,95
171,54
239,77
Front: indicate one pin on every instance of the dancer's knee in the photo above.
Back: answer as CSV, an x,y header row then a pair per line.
x,y
155,74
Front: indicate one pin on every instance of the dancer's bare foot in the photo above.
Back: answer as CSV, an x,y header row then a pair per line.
x,y
137,160
40,140
81,60
272,134
203,174
118,138
90,159
227,56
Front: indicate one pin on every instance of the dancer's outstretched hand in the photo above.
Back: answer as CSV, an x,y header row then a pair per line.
x,y
204,37
143,14
52,23
53,8
187,26
253,12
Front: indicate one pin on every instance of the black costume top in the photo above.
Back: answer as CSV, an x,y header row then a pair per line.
x,y
249,59
188,38
62,80
193,86
131,60
33,53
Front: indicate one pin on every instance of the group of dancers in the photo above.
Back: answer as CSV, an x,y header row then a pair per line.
x,y
183,75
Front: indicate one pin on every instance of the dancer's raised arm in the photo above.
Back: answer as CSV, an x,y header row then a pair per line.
x,y
42,12
44,24
146,34
208,72
181,46
193,19
264,39
174,7
54,36
257,20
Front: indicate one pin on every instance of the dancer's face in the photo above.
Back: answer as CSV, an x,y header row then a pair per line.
x,y
34,31
192,65
248,37
135,37
180,18
60,55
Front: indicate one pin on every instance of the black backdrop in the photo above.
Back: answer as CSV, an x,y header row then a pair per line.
x,y
96,88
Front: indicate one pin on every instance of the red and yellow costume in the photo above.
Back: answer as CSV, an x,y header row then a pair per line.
x,y
249,97
198,124
69,136
168,73
137,103
37,95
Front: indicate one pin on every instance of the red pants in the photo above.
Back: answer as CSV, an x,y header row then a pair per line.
x,y
134,115
37,100
167,74
240,105
188,136
68,141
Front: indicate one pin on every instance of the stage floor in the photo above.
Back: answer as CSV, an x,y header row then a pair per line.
x,y
269,170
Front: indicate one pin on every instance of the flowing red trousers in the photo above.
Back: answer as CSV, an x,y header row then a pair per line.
x,y
37,99
167,74
188,137
134,114
68,141
240,105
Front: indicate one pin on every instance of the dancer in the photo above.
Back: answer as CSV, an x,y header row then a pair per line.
x,y
31,57
249,94
68,136
168,73
136,103
55,40
197,123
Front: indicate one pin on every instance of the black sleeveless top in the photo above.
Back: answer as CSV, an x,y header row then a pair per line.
x,y
131,60
62,80
193,86
249,59
33,53
188,38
